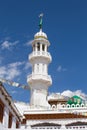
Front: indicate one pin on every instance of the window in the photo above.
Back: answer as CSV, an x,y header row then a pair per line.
x,y
38,46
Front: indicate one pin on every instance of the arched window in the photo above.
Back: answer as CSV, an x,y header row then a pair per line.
x,y
38,46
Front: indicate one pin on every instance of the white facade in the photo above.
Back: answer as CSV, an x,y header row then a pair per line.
x,y
9,115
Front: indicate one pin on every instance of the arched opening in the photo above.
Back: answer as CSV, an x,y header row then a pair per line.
x,y
38,46
43,47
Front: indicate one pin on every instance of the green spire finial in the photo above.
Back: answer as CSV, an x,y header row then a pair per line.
x,y
40,23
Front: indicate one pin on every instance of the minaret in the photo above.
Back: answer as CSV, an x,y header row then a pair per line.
x,y
39,81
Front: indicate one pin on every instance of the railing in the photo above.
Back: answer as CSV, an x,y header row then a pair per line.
x,y
67,106
39,76
40,53
76,127
46,127
49,128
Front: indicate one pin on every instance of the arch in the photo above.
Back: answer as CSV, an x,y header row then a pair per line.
x,y
73,105
63,105
54,107
77,105
43,47
68,105
38,46
82,105
45,124
78,123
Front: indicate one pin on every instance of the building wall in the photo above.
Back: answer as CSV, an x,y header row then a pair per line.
x,y
8,116
52,128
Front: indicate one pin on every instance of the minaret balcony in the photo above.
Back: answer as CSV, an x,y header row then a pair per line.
x,y
40,78
40,54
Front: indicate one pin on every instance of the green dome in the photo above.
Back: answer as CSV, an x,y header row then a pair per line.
x,y
74,100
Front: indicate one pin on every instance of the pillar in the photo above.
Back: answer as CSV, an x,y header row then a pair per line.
x,y
13,122
6,117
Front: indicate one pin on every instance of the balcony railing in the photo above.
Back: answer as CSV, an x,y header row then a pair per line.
x,y
40,53
40,77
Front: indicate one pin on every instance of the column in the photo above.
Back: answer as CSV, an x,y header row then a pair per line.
x,y
35,68
40,47
6,117
36,47
45,68
45,48
13,122
40,69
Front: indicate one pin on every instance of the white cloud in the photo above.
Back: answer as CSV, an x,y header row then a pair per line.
x,y
7,45
28,43
27,65
13,92
61,69
67,93
10,71
1,58
16,64
72,93
2,71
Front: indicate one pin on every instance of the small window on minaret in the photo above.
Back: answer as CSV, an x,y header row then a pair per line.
x,y
38,46
43,47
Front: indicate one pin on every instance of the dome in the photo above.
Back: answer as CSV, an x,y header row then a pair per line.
x,y
40,34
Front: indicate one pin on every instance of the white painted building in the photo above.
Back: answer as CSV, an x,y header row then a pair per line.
x,y
42,112
9,114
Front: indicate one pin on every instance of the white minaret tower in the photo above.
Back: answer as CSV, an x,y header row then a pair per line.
x,y
39,80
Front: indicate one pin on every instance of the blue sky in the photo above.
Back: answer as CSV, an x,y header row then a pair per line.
x,y
64,22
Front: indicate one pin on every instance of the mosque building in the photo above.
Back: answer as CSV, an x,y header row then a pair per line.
x,y
55,111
